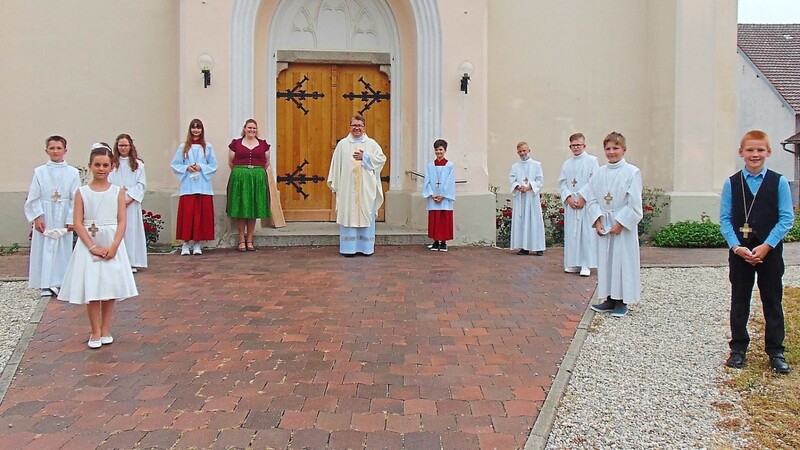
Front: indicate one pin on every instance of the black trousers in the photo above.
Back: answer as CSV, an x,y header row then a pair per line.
x,y
770,284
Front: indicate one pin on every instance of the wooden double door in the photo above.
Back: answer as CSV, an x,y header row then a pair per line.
x,y
314,106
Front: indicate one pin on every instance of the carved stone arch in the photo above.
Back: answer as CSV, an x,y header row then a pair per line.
x,y
426,16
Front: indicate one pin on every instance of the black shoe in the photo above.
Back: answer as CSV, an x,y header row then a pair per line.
x,y
435,246
539,253
443,247
736,360
523,252
778,364
348,255
606,306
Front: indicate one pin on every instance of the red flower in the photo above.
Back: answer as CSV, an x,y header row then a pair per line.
x,y
544,205
561,211
552,216
507,213
498,223
648,208
560,223
156,216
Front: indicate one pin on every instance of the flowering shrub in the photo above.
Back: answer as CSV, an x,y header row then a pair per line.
x,y
503,225
553,212
153,224
653,202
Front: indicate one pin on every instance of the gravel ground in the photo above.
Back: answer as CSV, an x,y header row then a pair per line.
x,y
17,304
653,378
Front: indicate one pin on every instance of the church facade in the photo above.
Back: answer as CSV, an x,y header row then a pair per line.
x,y
481,74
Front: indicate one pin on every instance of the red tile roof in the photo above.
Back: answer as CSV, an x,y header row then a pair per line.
x,y
775,50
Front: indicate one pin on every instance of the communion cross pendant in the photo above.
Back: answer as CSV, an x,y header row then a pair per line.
x,y
574,182
438,184
746,230
56,196
608,197
93,229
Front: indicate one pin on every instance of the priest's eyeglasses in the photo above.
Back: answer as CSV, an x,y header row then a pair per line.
x,y
357,125
576,145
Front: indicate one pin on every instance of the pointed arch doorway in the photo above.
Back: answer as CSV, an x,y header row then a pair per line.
x,y
314,103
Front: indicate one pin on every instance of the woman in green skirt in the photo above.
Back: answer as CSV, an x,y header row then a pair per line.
x,y
248,194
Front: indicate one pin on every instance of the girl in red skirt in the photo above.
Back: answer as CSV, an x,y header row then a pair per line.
x,y
439,191
195,164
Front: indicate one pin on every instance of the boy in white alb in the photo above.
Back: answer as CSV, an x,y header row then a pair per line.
x,y
49,208
527,224
580,239
614,199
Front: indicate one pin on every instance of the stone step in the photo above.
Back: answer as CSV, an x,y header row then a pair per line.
x,y
327,234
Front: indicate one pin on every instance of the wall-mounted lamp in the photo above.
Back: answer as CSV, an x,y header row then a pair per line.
x,y
465,69
206,64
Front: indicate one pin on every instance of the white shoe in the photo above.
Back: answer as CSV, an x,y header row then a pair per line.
x,y
585,272
105,340
134,269
46,293
197,250
185,250
571,269
95,344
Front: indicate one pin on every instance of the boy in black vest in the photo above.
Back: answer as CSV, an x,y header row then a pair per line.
x,y
755,214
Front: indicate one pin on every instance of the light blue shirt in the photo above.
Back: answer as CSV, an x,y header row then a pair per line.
x,y
195,182
785,210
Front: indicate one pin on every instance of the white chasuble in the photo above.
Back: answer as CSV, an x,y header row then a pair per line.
x,y
359,193
135,184
615,196
527,224
580,239
51,197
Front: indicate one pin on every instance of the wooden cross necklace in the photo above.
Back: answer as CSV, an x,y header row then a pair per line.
x,y
745,229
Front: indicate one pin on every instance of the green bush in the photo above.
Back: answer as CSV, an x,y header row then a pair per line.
x,y
794,233
690,234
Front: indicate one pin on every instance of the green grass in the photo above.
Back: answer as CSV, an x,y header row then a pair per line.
x,y
772,401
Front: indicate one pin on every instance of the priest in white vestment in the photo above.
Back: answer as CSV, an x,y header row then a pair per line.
x,y
527,225
580,239
355,178
614,200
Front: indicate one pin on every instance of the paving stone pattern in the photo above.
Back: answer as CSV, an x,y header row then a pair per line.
x,y
301,348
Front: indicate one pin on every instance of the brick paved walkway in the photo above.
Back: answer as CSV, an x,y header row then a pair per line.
x,y
301,348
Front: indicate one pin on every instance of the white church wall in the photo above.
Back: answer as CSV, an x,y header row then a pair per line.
x,y
87,70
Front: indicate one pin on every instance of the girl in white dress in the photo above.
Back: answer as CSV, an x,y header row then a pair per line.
x,y
129,174
99,271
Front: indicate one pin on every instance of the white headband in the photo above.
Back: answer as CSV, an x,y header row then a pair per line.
x,y
97,145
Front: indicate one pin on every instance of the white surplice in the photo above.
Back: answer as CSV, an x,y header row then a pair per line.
x,y
359,193
439,180
48,256
527,224
135,183
615,196
580,239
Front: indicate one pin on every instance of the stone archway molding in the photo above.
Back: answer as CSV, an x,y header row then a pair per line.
x,y
429,53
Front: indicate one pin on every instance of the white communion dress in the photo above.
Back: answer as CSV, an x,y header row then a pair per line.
x,y
89,278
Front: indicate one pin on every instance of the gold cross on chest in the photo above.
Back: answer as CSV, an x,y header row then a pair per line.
x,y
574,182
525,180
608,197
56,196
93,229
746,230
